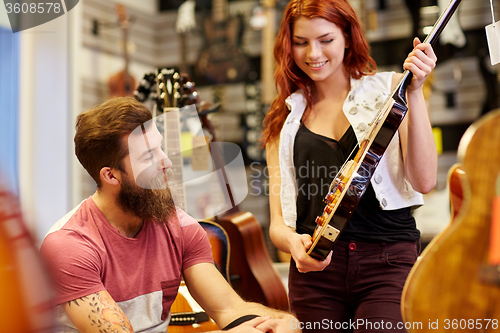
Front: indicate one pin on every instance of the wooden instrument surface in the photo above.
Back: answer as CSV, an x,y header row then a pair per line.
x,y
252,274
456,177
444,286
185,305
25,286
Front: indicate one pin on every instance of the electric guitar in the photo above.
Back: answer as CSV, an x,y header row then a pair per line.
x,y
222,60
353,178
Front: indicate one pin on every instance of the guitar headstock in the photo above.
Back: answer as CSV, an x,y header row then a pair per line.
x,y
186,19
123,17
167,88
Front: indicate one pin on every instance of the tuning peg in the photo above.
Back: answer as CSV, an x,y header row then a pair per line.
x,y
145,83
139,96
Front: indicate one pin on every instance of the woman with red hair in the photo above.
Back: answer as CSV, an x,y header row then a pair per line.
x,y
328,93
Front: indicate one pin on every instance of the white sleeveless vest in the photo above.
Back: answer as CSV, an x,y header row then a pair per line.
x,y
389,182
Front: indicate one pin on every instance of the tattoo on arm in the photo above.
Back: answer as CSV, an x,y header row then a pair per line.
x,y
104,313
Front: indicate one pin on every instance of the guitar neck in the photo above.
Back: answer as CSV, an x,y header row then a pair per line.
x,y
267,75
124,23
441,22
172,140
219,10
125,47
432,37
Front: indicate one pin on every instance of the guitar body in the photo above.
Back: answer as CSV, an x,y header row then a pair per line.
x,y
444,285
187,317
456,179
121,84
26,289
252,274
221,60
358,174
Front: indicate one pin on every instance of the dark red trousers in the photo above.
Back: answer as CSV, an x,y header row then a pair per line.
x,y
360,291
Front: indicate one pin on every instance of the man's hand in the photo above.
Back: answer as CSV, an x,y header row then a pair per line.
x,y
278,326
250,326
265,324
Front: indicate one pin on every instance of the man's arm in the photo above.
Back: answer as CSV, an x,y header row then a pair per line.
x,y
223,304
97,313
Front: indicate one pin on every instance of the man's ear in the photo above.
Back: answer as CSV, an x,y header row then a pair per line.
x,y
110,176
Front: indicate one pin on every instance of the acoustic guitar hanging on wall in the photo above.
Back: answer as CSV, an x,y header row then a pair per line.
x,y
122,83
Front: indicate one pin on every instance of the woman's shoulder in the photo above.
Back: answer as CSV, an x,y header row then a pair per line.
x,y
379,81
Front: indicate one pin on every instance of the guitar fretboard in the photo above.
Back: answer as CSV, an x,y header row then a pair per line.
x,y
267,75
172,143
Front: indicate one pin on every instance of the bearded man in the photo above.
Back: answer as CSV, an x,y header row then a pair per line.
x,y
117,259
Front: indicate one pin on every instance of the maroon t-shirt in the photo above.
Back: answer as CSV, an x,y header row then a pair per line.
x,y
85,254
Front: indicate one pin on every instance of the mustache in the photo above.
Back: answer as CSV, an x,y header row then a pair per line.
x,y
153,179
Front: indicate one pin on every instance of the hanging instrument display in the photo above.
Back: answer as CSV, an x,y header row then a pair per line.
x,y
353,178
447,288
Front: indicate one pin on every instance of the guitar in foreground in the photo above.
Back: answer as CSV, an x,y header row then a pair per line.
x,y
354,177
445,289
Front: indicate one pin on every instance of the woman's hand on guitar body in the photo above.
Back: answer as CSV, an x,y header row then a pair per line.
x,y
299,244
421,61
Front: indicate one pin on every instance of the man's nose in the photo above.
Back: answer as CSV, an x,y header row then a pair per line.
x,y
165,163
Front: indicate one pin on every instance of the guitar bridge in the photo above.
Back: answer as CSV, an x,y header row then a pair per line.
x,y
331,233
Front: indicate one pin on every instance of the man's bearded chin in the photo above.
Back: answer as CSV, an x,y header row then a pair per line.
x,y
154,202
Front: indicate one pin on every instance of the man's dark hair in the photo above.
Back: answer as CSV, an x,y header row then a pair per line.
x,y
99,133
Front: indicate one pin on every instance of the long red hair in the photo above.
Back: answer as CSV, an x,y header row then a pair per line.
x,y
289,77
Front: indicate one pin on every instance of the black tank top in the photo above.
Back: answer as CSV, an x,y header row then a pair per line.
x,y
317,159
